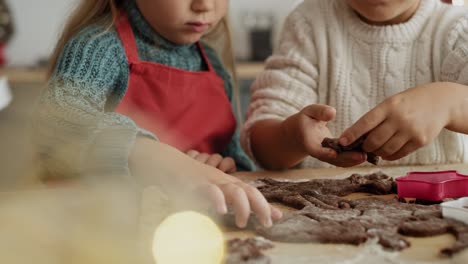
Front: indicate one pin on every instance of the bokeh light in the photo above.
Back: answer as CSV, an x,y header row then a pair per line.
x,y
188,237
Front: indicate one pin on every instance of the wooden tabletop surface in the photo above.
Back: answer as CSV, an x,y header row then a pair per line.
x,y
43,213
422,250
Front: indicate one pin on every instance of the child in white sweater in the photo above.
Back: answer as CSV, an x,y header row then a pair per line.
x,y
394,70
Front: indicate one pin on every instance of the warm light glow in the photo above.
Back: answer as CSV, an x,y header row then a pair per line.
x,y
188,237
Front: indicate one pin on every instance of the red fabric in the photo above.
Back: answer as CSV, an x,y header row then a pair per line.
x,y
185,109
2,54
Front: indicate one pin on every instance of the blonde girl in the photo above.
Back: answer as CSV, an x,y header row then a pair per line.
x,y
126,73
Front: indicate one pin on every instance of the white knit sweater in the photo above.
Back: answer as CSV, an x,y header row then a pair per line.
x,y
328,55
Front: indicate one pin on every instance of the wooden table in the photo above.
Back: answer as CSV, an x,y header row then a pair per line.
x,y
43,218
422,250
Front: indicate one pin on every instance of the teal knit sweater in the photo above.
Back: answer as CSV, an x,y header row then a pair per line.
x,y
77,131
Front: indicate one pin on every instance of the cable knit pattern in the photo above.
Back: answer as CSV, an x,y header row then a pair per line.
x,y
328,55
76,130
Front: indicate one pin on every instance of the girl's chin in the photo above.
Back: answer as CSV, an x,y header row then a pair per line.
x,y
377,2
188,39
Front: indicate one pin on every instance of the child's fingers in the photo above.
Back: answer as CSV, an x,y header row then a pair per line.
x,y
404,151
259,204
214,160
192,153
276,213
202,157
365,124
379,136
321,153
348,159
216,196
237,198
393,145
345,159
227,165
320,112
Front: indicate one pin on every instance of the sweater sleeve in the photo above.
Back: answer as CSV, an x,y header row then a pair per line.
x,y
455,63
75,135
234,149
290,79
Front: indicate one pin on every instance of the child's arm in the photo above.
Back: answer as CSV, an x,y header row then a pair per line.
x,y
156,163
73,129
459,114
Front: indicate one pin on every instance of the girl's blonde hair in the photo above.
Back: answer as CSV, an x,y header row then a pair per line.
x,y
86,13
105,12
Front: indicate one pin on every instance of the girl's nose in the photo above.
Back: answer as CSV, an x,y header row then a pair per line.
x,y
200,6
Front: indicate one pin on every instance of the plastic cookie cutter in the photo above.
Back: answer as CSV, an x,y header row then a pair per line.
x,y
457,209
433,186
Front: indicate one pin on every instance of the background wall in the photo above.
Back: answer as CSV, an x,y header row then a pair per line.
x,y
38,22
278,8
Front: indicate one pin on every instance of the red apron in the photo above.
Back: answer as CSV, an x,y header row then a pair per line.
x,y
185,109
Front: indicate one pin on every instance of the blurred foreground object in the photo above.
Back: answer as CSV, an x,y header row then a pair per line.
x,y
188,237
455,2
5,93
6,29
69,225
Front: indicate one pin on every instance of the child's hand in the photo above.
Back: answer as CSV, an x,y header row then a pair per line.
x,y
404,122
308,128
243,198
155,163
227,165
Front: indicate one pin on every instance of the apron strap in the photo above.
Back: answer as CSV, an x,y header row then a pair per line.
x,y
205,58
126,36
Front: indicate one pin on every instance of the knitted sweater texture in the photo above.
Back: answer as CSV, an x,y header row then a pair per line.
x,y
328,55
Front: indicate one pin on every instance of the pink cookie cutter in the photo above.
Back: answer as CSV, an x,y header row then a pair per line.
x,y
433,186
